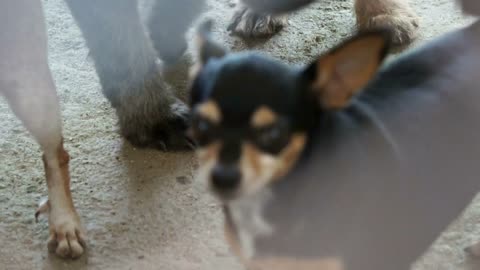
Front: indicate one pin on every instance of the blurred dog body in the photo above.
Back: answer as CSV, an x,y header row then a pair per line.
x,y
379,193
382,180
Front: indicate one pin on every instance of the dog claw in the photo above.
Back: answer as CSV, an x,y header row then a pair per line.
x,y
248,24
191,145
162,146
43,207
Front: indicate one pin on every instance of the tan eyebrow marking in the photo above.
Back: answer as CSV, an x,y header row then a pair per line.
x,y
263,116
291,153
209,152
211,111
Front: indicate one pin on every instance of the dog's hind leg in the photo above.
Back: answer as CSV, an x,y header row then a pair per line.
x,y
27,84
149,113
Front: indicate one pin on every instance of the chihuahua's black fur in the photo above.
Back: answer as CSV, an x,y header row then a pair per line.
x,y
391,165
256,80
241,84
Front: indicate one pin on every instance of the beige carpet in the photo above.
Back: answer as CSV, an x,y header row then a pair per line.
x,y
142,209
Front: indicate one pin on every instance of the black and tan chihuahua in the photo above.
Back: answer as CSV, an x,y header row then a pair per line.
x,y
373,166
254,116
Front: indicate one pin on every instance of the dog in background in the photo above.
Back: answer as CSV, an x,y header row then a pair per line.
x,y
336,165
125,58
265,18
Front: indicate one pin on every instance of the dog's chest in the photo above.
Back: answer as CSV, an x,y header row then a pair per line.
x,y
248,220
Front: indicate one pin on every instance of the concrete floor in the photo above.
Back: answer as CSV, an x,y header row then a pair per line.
x,y
142,209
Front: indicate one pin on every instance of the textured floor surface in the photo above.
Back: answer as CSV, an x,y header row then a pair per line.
x,y
142,209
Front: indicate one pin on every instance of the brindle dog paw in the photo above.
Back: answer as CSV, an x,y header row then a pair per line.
x,y
246,23
395,15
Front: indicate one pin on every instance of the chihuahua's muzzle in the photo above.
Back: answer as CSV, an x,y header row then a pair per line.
x,y
225,179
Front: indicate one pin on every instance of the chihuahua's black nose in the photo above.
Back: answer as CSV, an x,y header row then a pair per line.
x,y
225,178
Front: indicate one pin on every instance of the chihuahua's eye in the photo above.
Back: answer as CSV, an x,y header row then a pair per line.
x,y
203,131
203,126
269,135
273,138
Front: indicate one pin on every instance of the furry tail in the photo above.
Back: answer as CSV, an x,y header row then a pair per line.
x,y
277,6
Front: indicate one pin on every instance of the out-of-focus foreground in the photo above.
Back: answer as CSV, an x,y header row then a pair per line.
x,y
142,209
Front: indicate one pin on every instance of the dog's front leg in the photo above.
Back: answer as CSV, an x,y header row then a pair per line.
x,y
34,101
67,238
27,84
149,113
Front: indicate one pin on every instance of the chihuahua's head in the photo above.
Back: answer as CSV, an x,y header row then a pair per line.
x,y
252,115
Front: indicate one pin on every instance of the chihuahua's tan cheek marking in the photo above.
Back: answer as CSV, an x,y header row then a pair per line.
x,y
289,156
207,157
255,167
211,111
256,164
263,116
206,154
253,158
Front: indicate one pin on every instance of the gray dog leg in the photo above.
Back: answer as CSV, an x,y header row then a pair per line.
x,y
149,113
168,23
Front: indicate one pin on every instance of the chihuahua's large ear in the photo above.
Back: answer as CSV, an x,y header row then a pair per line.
x,y
344,71
206,47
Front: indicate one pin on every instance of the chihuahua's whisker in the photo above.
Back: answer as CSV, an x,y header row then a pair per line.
x,y
377,123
